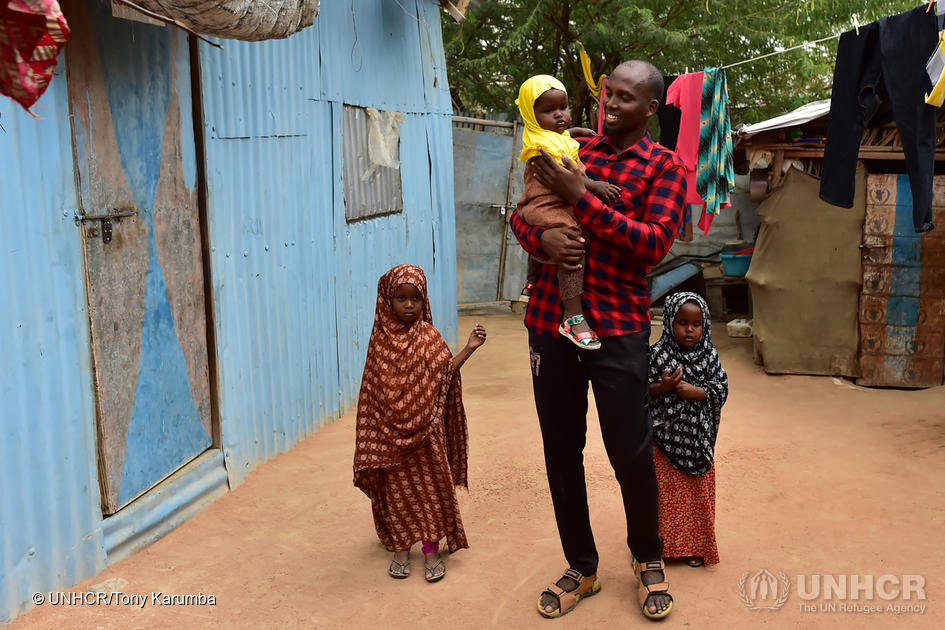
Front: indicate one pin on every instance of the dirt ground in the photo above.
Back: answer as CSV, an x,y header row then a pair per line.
x,y
815,476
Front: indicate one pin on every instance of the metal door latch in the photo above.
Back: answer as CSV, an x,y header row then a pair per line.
x,y
106,219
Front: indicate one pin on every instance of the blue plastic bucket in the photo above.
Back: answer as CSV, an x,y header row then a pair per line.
x,y
735,265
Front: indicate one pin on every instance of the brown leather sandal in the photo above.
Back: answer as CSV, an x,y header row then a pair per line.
x,y
645,591
567,600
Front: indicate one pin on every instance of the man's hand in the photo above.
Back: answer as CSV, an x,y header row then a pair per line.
x,y
564,246
566,181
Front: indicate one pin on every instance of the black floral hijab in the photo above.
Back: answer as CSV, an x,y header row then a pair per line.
x,y
685,430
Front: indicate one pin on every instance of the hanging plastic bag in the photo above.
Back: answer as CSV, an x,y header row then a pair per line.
x,y
383,140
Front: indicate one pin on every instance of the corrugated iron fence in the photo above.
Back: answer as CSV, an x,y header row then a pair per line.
x,y
490,265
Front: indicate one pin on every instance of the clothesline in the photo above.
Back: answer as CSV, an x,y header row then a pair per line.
x,y
778,52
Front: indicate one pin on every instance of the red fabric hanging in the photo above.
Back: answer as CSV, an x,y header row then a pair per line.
x,y
32,32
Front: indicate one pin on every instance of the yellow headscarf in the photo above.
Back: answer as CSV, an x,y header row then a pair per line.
x,y
557,144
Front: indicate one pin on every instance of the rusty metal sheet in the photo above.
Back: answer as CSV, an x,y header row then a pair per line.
x,y
178,244
872,309
902,308
900,371
879,220
116,272
879,339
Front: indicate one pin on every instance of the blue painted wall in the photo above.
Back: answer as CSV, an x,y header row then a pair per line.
x,y
49,498
293,285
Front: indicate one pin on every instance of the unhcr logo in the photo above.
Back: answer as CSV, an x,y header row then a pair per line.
x,y
830,593
764,590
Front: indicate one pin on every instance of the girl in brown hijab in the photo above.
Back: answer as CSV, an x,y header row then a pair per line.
x,y
411,441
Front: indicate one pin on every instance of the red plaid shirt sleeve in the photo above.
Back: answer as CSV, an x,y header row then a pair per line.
x,y
529,236
650,236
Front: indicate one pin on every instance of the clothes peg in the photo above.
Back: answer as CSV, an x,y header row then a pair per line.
x,y
856,26
929,8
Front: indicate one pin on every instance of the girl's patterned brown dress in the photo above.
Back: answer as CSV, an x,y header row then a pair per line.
x,y
411,439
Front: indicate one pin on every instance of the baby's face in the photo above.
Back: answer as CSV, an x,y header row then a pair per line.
x,y
552,112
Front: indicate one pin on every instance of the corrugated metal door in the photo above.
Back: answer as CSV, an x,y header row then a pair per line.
x,y
902,302
130,96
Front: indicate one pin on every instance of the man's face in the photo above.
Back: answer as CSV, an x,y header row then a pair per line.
x,y
628,103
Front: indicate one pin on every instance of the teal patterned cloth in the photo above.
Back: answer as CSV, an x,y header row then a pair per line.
x,y
715,176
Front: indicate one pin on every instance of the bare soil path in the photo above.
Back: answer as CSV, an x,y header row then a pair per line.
x,y
815,476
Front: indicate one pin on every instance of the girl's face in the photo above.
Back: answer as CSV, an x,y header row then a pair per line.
x,y
551,111
687,327
408,303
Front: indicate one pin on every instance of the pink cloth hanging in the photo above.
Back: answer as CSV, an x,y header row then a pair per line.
x,y
32,32
686,94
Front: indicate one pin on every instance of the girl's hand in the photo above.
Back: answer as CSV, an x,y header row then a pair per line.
x,y
690,392
669,382
578,132
477,337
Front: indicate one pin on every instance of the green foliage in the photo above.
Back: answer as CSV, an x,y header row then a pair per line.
x,y
503,42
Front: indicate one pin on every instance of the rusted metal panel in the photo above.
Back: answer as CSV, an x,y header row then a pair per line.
x,y
131,95
899,371
902,309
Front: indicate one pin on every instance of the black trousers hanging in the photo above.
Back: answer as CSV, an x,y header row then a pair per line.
x,y
880,76
618,372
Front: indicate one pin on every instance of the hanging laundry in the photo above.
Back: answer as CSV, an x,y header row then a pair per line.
x,y
935,66
32,32
685,93
669,116
715,176
878,77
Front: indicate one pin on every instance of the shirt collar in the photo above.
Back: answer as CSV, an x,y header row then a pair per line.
x,y
643,148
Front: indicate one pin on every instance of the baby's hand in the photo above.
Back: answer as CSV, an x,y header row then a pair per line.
x,y
578,132
477,337
605,191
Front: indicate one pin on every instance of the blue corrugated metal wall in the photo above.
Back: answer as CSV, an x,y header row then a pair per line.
x,y
294,284
50,517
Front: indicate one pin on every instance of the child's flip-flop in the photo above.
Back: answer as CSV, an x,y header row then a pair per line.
x,y
431,571
398,570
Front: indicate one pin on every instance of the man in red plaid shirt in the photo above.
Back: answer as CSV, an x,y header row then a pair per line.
x,y
625,240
